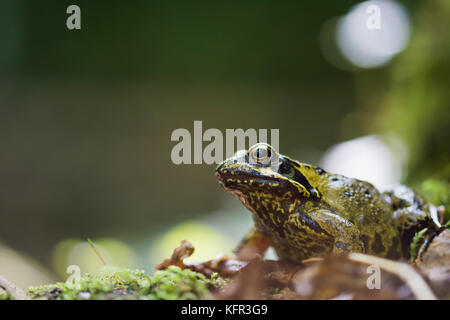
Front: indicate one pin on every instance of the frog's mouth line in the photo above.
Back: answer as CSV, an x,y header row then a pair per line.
x,y
222,177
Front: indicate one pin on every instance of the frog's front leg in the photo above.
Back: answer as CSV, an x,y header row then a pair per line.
x,y
253,243
346,234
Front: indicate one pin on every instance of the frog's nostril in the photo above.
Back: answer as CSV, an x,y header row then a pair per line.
x,y
222,170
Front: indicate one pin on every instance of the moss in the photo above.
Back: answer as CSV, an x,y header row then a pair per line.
x,y
115,283
438,193
416,244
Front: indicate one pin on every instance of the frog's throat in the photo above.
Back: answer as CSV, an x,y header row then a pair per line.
x,y
238,194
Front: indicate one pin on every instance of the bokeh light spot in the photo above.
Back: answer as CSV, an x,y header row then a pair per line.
x,y
369,158
79,252
373,32
208,242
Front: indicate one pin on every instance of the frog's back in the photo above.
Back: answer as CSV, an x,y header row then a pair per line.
x,y
363,205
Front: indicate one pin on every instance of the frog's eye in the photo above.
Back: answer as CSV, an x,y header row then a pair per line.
x,y
261,154
286,169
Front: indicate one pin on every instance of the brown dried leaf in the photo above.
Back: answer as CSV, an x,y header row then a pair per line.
x,y
183,251
333,277
223,266
247,285
435,264
337,277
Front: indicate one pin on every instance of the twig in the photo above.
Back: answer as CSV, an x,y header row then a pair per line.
x,y
96,251
91,243
408,274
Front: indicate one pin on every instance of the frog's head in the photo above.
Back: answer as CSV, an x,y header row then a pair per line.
x,y
262,175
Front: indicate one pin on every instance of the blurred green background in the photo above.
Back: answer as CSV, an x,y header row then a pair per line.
x,y
86,116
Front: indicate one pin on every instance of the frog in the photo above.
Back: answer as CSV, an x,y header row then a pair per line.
x,y
304,212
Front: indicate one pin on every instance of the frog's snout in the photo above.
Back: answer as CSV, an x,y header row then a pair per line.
x,y
227,175
219,167
220,176
219,170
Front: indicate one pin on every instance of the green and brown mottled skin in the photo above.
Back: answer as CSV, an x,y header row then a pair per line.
x,y
303,211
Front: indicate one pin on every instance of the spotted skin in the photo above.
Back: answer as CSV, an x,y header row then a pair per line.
x,y
304,211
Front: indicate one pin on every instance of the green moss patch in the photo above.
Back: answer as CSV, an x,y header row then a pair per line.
x,y
114,283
